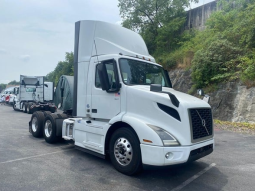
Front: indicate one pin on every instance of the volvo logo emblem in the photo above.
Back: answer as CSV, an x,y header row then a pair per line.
x,y
203,123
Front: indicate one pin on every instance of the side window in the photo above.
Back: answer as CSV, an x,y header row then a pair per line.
x,y
97,81
110,72
30,89
111,77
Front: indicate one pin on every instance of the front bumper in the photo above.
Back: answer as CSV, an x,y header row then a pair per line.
x,y
155,155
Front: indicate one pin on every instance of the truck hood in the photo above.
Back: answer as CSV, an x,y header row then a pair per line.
x,y
143,104
185,99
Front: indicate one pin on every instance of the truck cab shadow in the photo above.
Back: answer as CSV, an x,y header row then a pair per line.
x,y
166,178
174,176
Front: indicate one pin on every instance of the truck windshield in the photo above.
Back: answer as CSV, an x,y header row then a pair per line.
x,y
30,89
136,72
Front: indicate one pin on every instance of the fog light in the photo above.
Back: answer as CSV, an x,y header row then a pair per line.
x,y
169,155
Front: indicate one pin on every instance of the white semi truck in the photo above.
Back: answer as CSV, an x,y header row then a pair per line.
x,y
124,105
34,94
9,95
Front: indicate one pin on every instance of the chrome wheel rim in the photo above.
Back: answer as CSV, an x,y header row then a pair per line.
x,y
34,124
123,151
48,128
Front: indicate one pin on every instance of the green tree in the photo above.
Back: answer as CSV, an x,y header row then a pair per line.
x,y
14,82
2,87
62,68
156,20
215,63
225,50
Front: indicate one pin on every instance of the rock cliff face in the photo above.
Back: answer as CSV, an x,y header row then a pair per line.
x,y
231,102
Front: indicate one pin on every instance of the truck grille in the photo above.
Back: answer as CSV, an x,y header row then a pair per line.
x,y
201,123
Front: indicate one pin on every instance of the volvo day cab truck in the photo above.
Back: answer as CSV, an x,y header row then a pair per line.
x,y
124,105
34,94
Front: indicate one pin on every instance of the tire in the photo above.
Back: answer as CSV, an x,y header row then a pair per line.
x,y
49,130
37,120
24,107
29,110
63,116
46,113
125,152
13,106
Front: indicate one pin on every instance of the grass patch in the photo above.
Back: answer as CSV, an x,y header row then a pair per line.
x,y
241,126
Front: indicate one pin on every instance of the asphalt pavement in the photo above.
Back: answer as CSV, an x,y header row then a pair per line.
x,y
28,163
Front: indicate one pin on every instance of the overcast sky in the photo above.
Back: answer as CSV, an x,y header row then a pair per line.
x,y
35,34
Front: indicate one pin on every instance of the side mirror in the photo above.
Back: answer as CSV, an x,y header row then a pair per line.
x,y
156,88
206,98
200,92
46,85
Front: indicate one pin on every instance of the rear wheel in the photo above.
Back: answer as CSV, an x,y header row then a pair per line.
x,y
63,116
125,152
37,120
24,107
49,131
46,113
29,110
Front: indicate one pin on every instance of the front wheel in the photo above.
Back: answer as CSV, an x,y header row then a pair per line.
x,y
125,152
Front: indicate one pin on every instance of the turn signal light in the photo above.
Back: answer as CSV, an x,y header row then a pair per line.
x,y
148,141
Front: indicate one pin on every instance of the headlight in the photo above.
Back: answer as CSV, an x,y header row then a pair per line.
x,y
167,138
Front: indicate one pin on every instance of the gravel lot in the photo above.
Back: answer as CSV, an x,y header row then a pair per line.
x,y
28,163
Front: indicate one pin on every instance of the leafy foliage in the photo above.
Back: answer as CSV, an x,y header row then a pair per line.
x,y
215,63
158,21
14,82
235,125
63,68
2,87
225,49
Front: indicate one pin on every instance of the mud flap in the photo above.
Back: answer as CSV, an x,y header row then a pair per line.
x,y
59,123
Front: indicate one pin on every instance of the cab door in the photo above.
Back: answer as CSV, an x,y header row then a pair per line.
x,y
106,104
